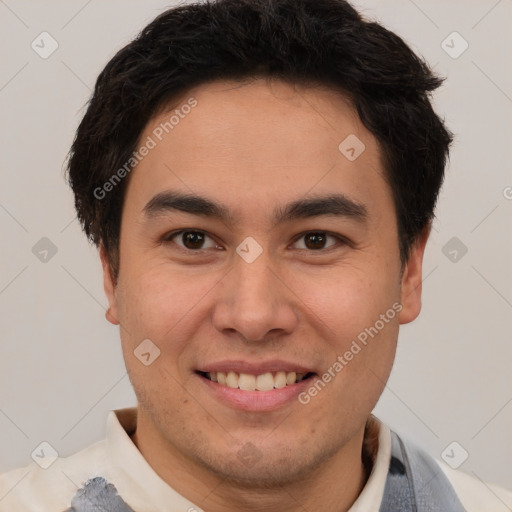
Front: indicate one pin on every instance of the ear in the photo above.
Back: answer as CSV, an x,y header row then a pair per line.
x,y
412,279
112,314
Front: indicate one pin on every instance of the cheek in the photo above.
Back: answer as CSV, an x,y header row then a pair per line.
x,y
360,329
359,312
158,301
348,300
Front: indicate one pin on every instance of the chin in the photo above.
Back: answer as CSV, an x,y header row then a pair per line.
x,y
269,471
253,466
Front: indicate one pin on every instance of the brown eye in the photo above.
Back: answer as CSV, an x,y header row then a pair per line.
x,y
191,240
316,240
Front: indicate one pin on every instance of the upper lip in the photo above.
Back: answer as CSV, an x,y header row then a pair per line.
x,y
253,368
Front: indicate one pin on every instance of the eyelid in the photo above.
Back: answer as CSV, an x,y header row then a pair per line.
x,y
169,236
340,239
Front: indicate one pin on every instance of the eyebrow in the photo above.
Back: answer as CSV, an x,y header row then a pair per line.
x,y
337,205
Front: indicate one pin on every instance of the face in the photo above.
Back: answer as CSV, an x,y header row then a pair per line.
x,y
265,289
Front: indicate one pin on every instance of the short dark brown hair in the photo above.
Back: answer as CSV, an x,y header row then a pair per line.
x,y
304,42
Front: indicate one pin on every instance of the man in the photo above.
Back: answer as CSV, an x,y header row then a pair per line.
x,y
260,179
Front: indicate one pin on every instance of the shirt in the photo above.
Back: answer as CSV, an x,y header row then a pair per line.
x,y
117,459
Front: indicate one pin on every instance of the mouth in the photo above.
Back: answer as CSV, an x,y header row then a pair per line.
x,y
250,387
263,382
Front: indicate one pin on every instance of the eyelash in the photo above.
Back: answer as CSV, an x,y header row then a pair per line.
x,y
168,238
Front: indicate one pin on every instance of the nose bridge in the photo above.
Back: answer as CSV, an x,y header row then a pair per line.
x,y
254,300
253,279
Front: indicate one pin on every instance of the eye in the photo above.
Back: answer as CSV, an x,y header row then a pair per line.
x,y
316,240
192,240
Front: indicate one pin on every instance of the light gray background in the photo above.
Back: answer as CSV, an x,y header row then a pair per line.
x,y
61,368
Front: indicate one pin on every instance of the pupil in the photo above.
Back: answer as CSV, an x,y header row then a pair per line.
x,y
194,238
318,240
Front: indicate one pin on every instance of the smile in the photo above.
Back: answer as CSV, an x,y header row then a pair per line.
x,y
262,382
255,387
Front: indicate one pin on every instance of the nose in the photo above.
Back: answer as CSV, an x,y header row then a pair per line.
x,y
256,303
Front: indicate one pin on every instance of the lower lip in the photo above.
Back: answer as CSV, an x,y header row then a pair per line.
x,y
256,400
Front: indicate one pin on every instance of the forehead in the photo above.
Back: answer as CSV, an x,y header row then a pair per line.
x,y
258,143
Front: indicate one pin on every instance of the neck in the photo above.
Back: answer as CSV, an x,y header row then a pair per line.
x,y
333,485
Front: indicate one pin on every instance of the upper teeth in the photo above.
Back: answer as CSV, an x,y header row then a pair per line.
x,y
263,382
